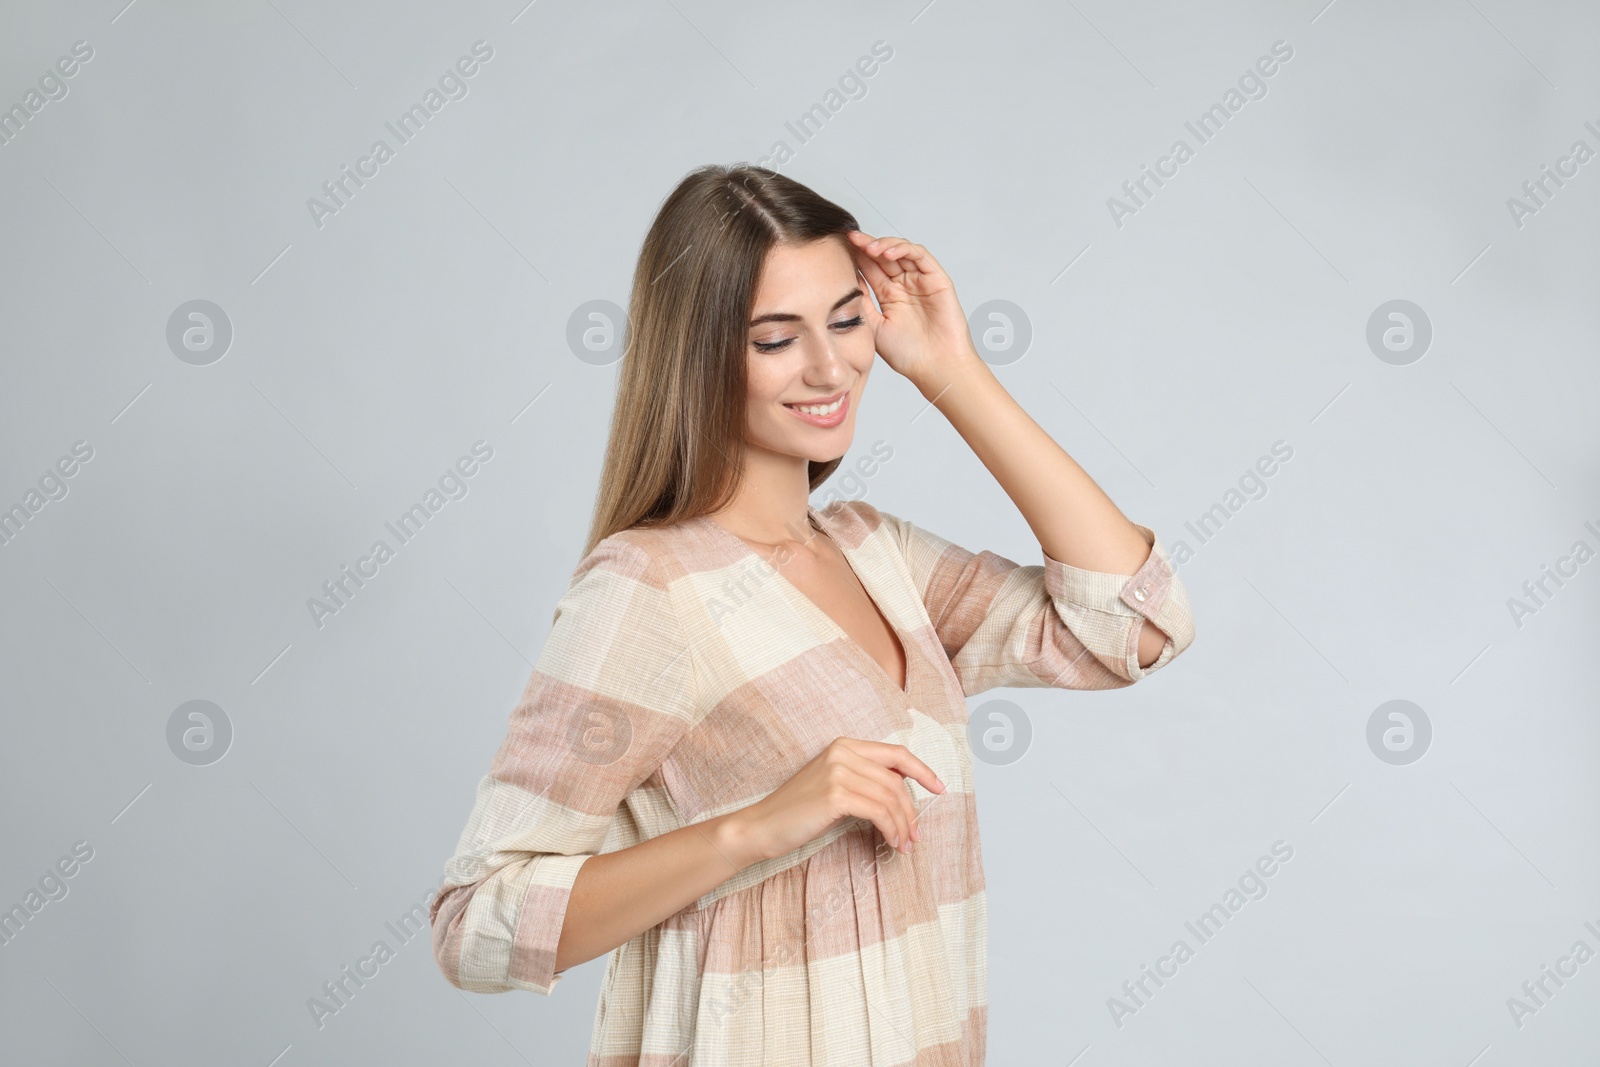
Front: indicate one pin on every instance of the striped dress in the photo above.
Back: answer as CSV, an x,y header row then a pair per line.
x,y
685,678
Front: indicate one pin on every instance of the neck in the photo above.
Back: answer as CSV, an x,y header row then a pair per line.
x,y
771,505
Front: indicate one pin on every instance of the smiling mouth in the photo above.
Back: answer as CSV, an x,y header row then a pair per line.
x,y
819,410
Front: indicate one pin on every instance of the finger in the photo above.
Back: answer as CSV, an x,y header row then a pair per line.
x,y
864,799
882,784
870,270
910,256
887,253
887,810
877,247
894,787
908,811
882,816
869,305
899,758
870,249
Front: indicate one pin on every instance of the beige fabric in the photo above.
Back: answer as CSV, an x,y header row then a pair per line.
x,y
684,678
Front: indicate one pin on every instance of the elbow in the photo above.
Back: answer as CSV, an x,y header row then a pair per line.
x,y
563,956
1150,645
1164,625
453,939
1155,646
509,939
444,920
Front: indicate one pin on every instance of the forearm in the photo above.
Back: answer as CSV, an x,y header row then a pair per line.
x,y
1071,516
619,895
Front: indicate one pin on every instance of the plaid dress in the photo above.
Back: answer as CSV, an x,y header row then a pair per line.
x,y
684,678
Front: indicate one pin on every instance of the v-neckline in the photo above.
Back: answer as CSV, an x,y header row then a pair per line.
x,y
826,620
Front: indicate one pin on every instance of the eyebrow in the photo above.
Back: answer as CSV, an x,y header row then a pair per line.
x,y
788,316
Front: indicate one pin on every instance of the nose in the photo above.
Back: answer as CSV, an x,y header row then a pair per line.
x,y
825,367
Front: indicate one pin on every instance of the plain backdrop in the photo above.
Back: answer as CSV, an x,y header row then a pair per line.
x,y
1179,340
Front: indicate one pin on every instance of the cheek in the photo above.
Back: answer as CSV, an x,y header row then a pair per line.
x,y
861,348
763,392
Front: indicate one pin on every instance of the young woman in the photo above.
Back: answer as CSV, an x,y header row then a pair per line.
x,y
741,761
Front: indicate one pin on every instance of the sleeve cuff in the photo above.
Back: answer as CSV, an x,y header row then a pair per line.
x,y
539,922
516,924
1128,599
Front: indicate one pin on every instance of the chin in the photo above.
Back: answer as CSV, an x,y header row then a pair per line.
x,y
826,455
837,445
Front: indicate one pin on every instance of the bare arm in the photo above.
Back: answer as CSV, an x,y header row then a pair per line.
x,y
616,896
619,895
922,332
1073,518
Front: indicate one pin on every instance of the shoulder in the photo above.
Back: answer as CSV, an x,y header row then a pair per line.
x,y
854,522
640,554
622,586
657,556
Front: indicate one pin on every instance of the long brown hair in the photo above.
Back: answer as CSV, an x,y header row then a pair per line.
x,y
676,447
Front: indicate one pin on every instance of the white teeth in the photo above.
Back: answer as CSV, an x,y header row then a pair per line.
x,y
818,409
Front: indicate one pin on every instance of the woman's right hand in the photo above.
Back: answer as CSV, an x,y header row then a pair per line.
x,y
851,778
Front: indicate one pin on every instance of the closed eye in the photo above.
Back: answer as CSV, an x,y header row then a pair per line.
x,y
844,326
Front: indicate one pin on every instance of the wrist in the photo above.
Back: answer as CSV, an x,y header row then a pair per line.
x,y
945,375
735,836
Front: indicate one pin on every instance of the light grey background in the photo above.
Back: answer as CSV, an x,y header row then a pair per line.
x,y
1168,355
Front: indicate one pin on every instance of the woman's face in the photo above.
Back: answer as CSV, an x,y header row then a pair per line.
x,y
809,345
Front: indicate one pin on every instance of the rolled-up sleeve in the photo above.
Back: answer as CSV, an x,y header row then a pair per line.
x,y
1105,612
1055,625
610,695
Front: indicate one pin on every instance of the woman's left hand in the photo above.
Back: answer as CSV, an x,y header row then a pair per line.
x,y
921,328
